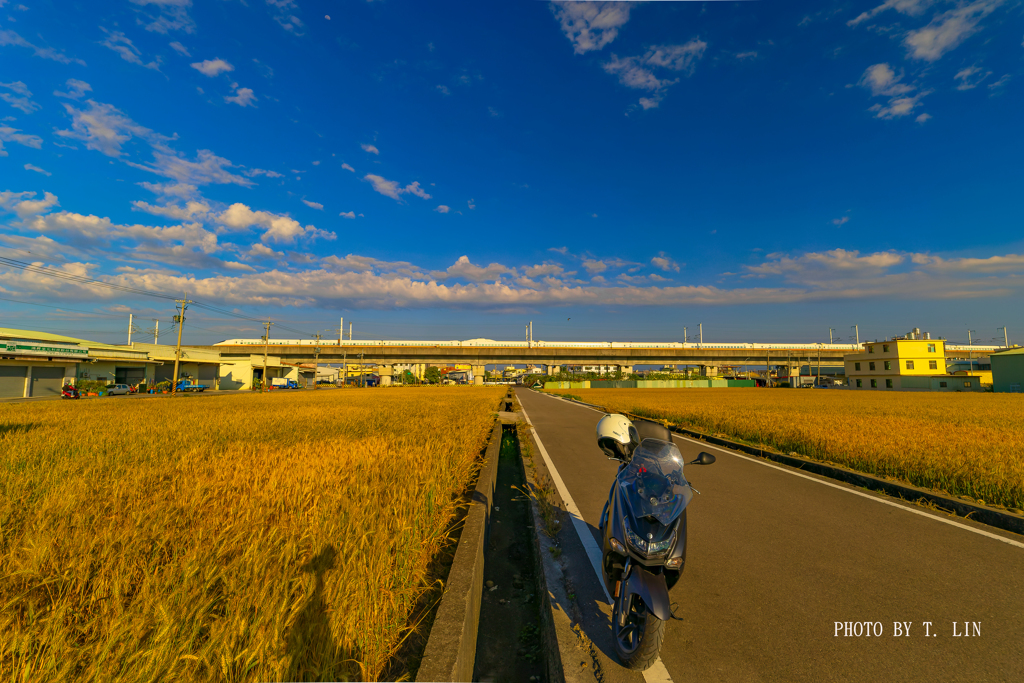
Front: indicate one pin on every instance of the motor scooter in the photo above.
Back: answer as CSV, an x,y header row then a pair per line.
x,y
69,391
643,528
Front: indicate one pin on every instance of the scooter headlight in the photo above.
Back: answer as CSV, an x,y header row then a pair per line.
x,y
617,547
645,548
635,542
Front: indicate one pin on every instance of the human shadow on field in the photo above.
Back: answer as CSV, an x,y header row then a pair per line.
x,y
315,654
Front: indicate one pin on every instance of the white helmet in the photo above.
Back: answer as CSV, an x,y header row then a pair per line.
x,y
617,436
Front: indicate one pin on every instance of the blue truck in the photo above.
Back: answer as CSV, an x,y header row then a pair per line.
x,y
189,385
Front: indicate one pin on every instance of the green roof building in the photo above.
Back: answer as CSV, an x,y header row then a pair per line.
x,y
1008,371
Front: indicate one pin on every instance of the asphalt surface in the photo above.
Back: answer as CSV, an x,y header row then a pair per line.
x,y
777,557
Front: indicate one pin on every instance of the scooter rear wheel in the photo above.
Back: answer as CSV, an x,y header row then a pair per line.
x,y
638,643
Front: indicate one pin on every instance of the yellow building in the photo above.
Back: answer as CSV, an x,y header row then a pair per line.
x,y
899,364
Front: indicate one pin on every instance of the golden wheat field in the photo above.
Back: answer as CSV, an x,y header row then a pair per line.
x,y
967,444
236,538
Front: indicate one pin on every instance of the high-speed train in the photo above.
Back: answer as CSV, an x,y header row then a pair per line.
x,y
490,343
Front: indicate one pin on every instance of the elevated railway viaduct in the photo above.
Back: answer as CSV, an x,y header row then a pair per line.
x,y
551,355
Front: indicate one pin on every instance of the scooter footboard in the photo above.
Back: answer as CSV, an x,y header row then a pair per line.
x,y
652,589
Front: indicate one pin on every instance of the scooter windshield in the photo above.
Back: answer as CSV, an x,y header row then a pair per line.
x,y
653,482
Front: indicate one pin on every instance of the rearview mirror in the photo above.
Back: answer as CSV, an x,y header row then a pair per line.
x,y
704,459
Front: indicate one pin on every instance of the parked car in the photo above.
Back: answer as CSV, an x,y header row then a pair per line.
x,y
118,389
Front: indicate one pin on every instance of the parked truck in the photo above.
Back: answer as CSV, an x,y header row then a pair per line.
x,y
283,383
189,385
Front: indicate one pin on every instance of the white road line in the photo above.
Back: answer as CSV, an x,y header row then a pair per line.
x,y
795,473
657,673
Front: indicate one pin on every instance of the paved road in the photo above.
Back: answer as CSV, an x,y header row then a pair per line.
x,y
776,557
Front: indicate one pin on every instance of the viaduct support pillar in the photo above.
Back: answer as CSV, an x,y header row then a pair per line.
x,y
386,373
709,370
478,375
626,370
553,369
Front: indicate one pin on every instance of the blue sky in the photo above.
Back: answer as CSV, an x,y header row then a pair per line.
x,y
454,170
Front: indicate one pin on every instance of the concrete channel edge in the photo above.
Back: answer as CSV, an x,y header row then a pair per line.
x,y
978,513
451,647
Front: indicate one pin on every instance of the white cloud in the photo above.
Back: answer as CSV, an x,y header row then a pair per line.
x,y
180,49
285,17
442,209
22,204
277,228
371,149
76,89
207,169
24,102
590,25
30,167
391,188
948,30
173,16
212,67
840,221
313,205
179,190
921,118
191,210
243,97
1003,80
593,266
882,80
8,37
444,90
348,168
970,77
464,269
122,45
638,72
8,134
254,172
746,55
665,263
347,214
106,129
263,251
911,8
471,204
542,269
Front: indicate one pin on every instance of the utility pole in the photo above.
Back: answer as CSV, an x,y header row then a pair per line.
x,y
130,328
266,345
531,334
316,358
701,328
830,335
350,330
344,368
970,354
1006,338
156,331
856,330
341,330
180,319
684,335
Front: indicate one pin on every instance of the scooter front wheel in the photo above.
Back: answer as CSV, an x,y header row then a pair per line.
x,y
638,641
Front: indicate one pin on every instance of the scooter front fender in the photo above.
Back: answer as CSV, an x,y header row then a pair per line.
x,y
651,589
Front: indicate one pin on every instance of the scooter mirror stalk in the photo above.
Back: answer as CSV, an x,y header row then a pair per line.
x,y
704,459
